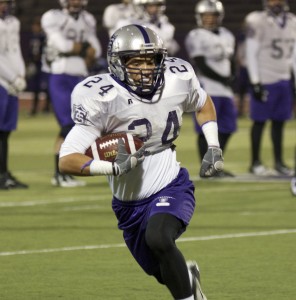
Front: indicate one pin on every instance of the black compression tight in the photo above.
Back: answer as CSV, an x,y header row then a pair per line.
x,y
4,135
161,232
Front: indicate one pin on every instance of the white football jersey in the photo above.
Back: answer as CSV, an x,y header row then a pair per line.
x,y
217,50
269,46
102,105
11,60
62,30
114,13
165,30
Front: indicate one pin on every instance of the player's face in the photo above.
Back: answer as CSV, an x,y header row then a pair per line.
x,y
152,9
3,9
210,20
141,69
276,6
74,5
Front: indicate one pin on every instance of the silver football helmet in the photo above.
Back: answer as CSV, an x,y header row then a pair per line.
x,y
209,6
73,8
137,41
276,8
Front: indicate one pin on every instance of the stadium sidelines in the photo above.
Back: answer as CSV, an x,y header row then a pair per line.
x,y
181,240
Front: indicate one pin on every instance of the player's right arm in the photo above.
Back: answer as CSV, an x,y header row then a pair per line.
x,y
52,22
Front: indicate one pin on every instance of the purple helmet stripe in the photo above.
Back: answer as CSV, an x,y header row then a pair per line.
x,y
144,33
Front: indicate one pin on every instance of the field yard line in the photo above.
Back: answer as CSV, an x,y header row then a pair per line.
x,y
189,239
45,202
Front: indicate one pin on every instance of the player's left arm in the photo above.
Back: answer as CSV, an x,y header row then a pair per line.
x,y
212,162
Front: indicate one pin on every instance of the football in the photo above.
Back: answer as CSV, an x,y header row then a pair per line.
x,y
105,147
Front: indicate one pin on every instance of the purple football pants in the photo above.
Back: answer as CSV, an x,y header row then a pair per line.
x,y
278,106
8,111
176,199
60,89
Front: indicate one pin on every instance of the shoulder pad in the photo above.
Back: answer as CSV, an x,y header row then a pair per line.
x,y
179,67
254,17
98,87
89,18
52,18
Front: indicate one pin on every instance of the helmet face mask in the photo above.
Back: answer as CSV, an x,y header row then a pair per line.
x,y
73,6
136,57
209,14
276,7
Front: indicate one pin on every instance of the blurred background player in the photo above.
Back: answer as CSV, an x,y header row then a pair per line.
x,y
271,35
211,48
115,12
241,80
37,79
72,47
12,81
151,13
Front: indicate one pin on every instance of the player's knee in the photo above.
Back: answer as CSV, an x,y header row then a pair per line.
x,y
65,130
159,241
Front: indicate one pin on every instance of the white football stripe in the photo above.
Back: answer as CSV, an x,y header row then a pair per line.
x,y
131,143
94,150
184,240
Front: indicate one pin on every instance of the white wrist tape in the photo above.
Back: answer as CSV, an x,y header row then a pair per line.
x,y
101,167
210,130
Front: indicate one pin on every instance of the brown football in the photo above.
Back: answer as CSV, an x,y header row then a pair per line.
x,y
105,147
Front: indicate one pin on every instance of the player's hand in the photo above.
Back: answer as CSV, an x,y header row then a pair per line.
x,y
18,85
124,162
212,162
258,92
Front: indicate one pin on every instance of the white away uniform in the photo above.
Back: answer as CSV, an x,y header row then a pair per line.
x,y
217,50
269,46
11,60
101,105
62,30
114,13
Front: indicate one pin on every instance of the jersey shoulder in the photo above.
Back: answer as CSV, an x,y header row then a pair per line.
x,y
89,18
52,18
100,88
255,18
179,68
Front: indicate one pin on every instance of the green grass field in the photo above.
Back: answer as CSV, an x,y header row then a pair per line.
x,y
64,243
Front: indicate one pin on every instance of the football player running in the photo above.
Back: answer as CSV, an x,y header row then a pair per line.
x,y
72,47
211,48
12,82
145,94
271,35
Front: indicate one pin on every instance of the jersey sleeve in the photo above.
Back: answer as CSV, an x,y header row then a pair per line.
x,y
194,44
185,80
252,45
90,101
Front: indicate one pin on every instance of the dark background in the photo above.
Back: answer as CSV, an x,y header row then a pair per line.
x,y
180,13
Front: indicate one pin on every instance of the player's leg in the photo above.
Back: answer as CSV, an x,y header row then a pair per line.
x,y
8,122
60,87
161,232
181,279
277,128
293,180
